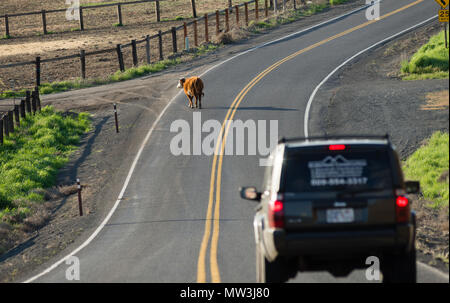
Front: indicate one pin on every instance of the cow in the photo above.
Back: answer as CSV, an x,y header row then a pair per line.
x,y
193,87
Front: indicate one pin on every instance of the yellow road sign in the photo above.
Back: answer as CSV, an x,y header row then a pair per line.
x,y
443,15
443,3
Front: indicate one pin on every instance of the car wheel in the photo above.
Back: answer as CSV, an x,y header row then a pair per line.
x,y
401,268
269,272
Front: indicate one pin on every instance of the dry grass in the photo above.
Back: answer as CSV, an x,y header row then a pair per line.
x,y
235,34
36,221
436,101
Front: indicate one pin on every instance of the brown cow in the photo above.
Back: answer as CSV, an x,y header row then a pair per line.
x,y
193,87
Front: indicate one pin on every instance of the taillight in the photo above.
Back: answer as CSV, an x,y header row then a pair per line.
x,y
402,209
276,214
337,147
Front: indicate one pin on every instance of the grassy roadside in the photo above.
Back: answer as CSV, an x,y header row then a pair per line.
x,y
429,62
430,165
290,16
135,72
30,159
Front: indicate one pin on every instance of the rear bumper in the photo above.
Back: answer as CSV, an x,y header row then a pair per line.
x,y
389,240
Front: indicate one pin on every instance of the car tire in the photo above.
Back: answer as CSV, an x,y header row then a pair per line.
x,y
401,268
270,272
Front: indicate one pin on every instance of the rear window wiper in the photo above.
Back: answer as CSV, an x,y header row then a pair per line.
x,y
353,192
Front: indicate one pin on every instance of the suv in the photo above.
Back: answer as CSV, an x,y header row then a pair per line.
x,y
330,203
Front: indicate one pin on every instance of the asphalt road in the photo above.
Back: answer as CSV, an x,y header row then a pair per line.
x,y
157,230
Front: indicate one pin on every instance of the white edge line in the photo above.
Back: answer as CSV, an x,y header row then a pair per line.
x,y
311,98
147,137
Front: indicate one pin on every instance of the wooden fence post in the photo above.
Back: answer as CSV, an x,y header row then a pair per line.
x,y
134,53
185,35
83,63
195,34
147,48
38,99
120,57
237,15
81,18
38,71
256,9
1,130
33,102
227,21
119,15
275,7
11,121
157,11
194,10
206,28
28,101
246,13
44,22
22,108
266,9
6,125
174,40
295,4
217,23
16,115
160,42
7,26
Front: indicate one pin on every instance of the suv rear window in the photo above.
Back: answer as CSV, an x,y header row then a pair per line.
x,y
314,170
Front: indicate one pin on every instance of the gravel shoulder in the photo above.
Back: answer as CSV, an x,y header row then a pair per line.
x,y
368,97
104,158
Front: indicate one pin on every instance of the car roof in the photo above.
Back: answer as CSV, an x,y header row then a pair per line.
x,y
322,142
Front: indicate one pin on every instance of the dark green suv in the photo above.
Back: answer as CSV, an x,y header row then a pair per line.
x,y
330,203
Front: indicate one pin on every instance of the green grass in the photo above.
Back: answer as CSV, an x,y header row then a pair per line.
x,y
335,2
177,18
31,157
5,37
427,164
429,62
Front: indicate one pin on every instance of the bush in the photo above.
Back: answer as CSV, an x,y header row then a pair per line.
x,y
430,58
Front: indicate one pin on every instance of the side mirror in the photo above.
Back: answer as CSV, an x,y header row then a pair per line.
x,y
412,187
250,193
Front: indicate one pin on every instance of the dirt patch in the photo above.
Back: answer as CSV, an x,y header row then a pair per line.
x,y
369,93
432,233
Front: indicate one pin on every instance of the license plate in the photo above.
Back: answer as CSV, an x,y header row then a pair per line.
x,y
340,215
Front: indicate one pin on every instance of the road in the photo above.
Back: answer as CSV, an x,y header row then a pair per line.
x,y
179,218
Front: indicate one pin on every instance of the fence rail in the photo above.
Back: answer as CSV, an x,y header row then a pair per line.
x,y
44,13
11,114
222,19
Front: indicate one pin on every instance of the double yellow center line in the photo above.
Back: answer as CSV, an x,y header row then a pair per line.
x,y
215,181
